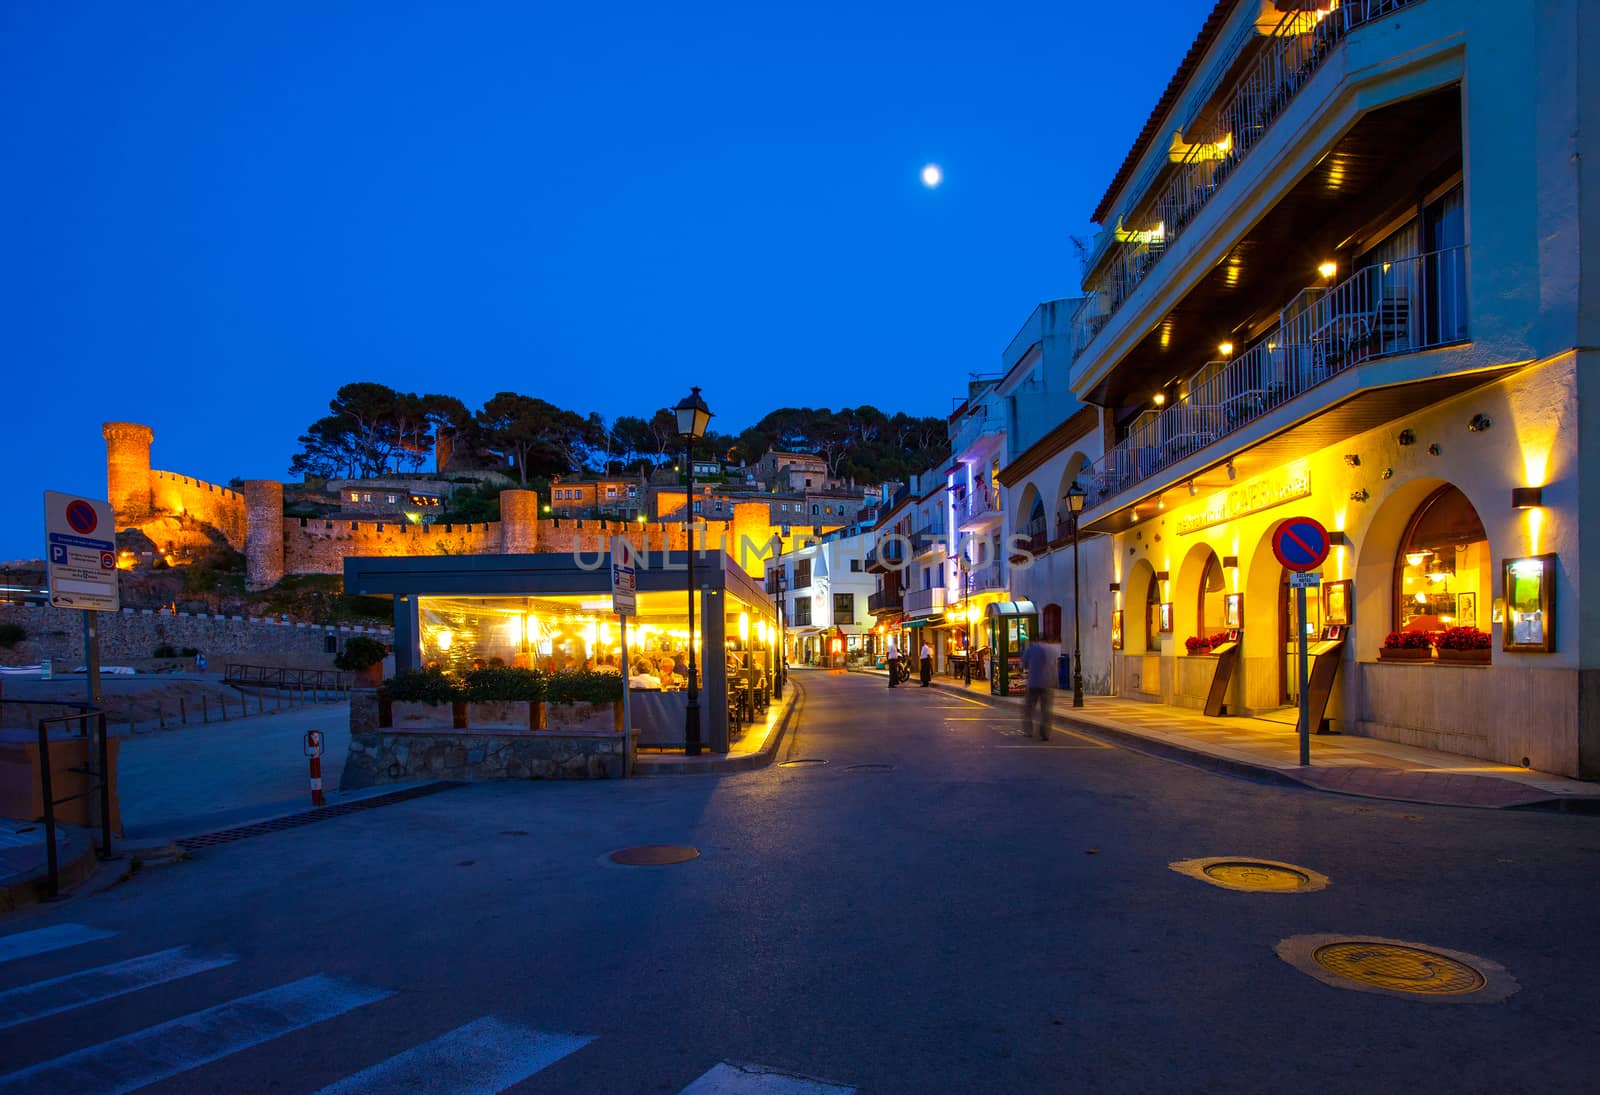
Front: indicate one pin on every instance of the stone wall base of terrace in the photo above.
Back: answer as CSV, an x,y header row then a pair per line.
x,y
401,755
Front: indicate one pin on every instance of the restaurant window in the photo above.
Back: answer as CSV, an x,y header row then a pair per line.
x,y
1442,574
1152,615
802,611
844,608
1213,592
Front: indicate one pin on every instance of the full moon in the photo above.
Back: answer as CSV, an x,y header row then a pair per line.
x,y
932,176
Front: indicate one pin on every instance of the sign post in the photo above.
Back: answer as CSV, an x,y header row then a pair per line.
x,y
1301,545
624,602
81,568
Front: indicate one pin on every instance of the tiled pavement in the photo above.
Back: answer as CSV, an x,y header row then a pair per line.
x,y
1268,747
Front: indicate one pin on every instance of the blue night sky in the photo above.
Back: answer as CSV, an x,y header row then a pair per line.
x,y
217,213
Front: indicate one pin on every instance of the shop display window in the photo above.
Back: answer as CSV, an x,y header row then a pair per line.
x,y
1530,590
1443,569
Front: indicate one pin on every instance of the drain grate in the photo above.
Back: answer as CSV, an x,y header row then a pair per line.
x,y
1252,875
869,768
801,763
1392,967
655,855
310,817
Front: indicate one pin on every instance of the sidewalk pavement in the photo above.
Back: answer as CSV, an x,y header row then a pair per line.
x,y
1264,748
754,749
23,860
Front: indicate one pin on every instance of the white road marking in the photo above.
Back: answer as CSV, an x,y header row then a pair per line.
x,y
42,940
163,1051
35,1001
731,1079
484,1057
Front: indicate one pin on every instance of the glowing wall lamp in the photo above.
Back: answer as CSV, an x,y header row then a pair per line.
x,y
1527,497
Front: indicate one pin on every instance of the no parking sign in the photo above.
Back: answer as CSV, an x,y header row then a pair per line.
x,y
1301,543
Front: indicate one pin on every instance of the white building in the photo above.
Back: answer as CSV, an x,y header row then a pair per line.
x,y
826,589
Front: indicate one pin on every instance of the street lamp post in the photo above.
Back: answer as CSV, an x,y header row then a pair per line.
x,y
780,581
1075,498
692,414
966,578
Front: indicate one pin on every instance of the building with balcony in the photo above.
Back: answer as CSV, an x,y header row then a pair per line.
x,y
1340,278
825,599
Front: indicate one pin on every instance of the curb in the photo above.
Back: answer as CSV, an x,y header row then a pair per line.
x,y
747,762
76,865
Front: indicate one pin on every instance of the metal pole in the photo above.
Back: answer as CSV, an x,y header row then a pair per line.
x,y
627,708
777,608
966,592
1305,700
105,787
691,713
48,792
1077,629
95,729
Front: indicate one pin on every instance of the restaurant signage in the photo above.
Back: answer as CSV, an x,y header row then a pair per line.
x,y
1285,484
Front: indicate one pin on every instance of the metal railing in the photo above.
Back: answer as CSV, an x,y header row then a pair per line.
x,y
979,506
1398,307
986,577
315,680
885,602
1299,46
925,600
98,765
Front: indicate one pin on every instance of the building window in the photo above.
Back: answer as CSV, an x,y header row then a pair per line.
x,y
844,608
802,611
1050,624
855,566
802,573
717,505
611,492
1152,615
1442,575
355,496
366,497
815,509
808,480
1213,591
633,492
391,499
697,507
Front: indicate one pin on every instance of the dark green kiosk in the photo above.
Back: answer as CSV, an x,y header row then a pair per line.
x,y
1012,625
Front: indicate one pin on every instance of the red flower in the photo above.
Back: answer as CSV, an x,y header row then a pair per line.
x,y
1463,638
1407,640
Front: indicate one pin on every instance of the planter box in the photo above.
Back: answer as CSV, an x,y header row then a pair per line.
x,y
441,716
1465,657
500,715
1398,654
583,716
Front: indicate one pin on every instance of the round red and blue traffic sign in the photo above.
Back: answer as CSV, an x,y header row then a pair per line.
x,y
81,516
1300,543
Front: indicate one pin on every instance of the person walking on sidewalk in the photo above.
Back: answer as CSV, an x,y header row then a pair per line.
x,y
1039,661
926,664
891,658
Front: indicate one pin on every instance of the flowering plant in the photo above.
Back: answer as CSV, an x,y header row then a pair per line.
x,y
1463,638
1407,640
1202,644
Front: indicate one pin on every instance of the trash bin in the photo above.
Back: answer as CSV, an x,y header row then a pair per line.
x,y
1064,671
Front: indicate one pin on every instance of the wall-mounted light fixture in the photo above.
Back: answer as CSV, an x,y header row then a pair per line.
x,y
1479,423
1230,560
1527,497
1352,459
1359,495
1193,490
1116,587
1337,538
1328,269
1388,473
1160,399
1161,575
1433,450
1407,437
1231,472
1225,349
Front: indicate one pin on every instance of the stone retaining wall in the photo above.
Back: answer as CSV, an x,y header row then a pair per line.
x,y
57,633
395,756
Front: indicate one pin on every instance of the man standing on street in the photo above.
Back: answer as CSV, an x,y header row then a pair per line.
x,y
926,663
891,658
1039,660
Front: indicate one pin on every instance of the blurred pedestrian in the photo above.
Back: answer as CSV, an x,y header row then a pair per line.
x,y
1039,662
926,663
891,658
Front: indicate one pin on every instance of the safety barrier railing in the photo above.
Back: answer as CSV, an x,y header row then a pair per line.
x,y
96,773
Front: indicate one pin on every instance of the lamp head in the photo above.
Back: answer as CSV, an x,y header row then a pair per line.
x,y
693,415
1075,498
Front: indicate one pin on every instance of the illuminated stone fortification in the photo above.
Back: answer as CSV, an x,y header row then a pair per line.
x,y
171,509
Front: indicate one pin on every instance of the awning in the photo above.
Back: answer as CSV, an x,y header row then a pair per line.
x,y
927,621
1011,608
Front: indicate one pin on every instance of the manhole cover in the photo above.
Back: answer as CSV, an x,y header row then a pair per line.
x,y
869,768
1252,875
1392,967
654,855
802,762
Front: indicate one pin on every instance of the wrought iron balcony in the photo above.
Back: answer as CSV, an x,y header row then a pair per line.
x,y
1393,308
925,601
1294,54
885,602
985,578
889,553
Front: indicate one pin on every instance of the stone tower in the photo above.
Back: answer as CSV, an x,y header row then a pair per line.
x,y
263,532
128,467
519,522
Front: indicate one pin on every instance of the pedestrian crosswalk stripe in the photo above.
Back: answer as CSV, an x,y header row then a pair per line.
x,y
42,940
35,1001
483,1057
162,1051
731,1079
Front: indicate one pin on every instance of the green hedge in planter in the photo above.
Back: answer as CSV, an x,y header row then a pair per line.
x,y
360,652
424,686
583,686
501,684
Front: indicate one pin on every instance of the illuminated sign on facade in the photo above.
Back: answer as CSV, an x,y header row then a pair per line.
x,y
1285,484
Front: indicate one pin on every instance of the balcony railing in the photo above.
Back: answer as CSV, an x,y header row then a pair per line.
x,y
886,554
985,578
884,602
1295,53
925,600
972,431
979,507
1391,308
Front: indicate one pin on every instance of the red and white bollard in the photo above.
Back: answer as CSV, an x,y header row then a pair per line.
x,y
313,746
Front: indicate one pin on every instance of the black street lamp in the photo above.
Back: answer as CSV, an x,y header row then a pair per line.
x,y
693,414
780,582
966,611
1075,498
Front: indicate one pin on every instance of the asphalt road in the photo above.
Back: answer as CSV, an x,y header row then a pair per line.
x,y
990,914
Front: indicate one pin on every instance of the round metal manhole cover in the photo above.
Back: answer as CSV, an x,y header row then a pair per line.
x,y
801,763
654,855
1252,875
1393,967
869,768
